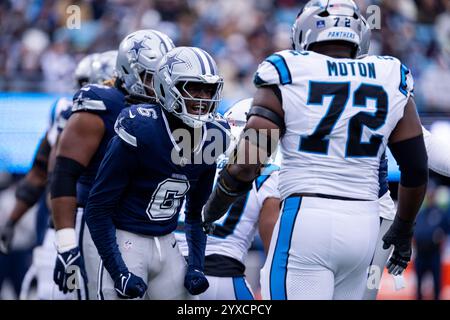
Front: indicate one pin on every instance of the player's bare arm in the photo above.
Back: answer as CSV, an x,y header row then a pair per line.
x,y
28,192
78,143
267,219
409,131
33,184
408,148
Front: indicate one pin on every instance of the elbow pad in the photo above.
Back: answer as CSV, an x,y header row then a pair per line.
x,y
412,159
64,177
29,193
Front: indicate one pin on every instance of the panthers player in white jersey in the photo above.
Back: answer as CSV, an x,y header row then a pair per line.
x,y
228,245
336,116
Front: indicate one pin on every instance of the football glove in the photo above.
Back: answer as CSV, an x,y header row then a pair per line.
x,y
195,281
68,268
400,236
6,236
130,286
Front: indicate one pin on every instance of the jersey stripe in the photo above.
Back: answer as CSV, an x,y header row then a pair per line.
x,y
278,269
403,85
281,66
241,291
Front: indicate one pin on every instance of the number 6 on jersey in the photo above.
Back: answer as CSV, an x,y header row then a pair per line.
x,y
167,199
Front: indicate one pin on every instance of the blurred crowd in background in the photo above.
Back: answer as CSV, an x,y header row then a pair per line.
x,y
39,53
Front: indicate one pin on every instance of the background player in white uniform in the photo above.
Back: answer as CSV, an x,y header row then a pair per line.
x,y
228,245
336,116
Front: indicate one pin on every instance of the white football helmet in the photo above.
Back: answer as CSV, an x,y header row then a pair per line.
x,y
103,66
83,71
327,20
236,116
178,68
237,119
138,56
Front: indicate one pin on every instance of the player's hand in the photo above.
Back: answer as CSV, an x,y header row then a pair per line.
x,y
68,269
400,236
195,281
6,236
208,227
130,286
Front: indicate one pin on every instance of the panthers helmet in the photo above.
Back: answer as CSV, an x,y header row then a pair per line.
x,y
83,71
138,56
176,69
327,20
237,117
103,66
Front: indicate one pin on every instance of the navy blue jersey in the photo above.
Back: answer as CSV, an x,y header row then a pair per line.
x,y
142,184
106,102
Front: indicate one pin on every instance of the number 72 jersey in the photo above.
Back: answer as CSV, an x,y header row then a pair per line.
x,y
339,114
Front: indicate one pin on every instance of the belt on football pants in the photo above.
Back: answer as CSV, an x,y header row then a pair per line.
x,y
326,196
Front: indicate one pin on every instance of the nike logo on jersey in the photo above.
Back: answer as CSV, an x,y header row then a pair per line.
x,y
131,115
174,244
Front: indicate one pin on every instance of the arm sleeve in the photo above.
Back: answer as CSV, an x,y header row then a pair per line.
x,y
438,151
195,237
112,178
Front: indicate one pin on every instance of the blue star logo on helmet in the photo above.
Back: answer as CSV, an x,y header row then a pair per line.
x,y
171,61
320,24
137,47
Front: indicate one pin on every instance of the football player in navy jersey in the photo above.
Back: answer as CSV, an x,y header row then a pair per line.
x,y
256,211
82,146
145,176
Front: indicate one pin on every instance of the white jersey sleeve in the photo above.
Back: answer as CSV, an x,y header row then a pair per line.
x,y
269,189
57,121
339,114
438,150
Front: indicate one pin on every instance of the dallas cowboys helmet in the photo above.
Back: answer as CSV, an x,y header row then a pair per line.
x,y
137,58
327,20
83,71
103,67
178,68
